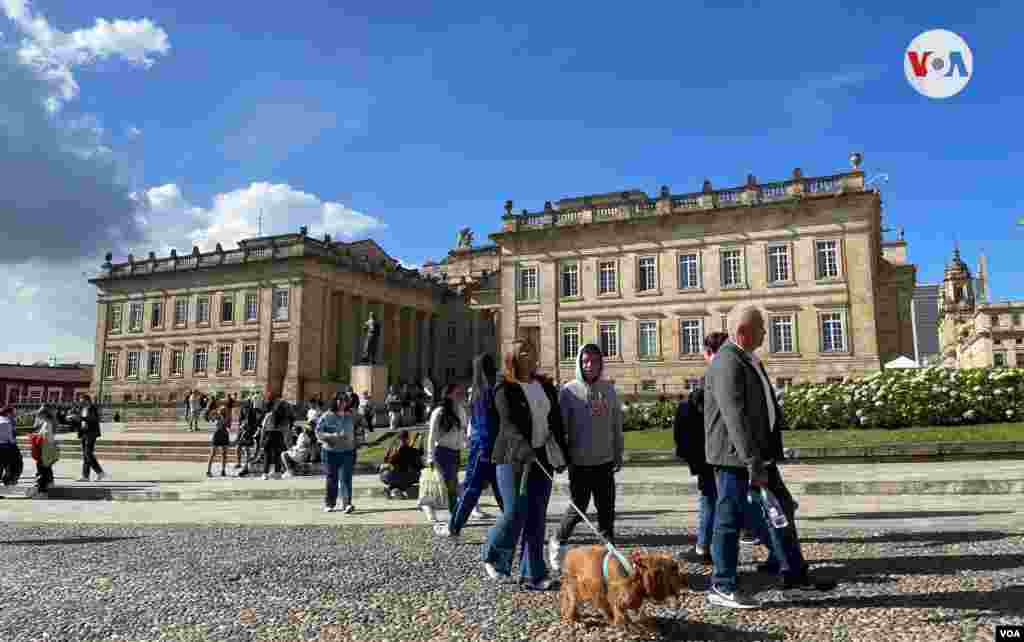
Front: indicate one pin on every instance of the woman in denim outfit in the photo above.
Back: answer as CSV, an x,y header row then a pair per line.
x,y
529,417
337,436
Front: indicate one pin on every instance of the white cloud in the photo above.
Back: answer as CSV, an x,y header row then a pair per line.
x,y
132,131
55,53
172,221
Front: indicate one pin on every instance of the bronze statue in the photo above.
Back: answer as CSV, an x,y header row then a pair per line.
x,y
465,238
371,341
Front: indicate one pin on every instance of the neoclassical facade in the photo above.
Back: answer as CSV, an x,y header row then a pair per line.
x,y
279,315
646,278
973,333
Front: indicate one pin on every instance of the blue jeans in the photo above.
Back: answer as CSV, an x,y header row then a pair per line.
x,y
522,519
480,470
338,465
447,462
732,486
706,502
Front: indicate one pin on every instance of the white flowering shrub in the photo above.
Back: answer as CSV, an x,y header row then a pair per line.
x,y
913,397
648,415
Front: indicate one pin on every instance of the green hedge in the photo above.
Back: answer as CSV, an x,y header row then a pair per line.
x,y
888,399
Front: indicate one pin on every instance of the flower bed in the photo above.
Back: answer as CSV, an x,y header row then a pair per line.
x,y
887,399
912,397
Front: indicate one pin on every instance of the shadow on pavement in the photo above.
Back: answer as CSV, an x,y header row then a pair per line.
x,y
66,540
1003,601
933,538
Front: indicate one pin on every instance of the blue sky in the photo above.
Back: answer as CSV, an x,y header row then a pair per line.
x,y
428,119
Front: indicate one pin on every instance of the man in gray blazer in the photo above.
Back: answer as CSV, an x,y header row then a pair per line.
x,y
743,442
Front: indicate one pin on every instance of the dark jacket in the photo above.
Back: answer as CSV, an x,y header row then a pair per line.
x,y
736,420
513,444
90,426
688,430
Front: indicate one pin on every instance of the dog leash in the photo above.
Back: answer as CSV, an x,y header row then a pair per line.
x,y
626,565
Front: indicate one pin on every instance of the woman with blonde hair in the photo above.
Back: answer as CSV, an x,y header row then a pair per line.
x,y
529,428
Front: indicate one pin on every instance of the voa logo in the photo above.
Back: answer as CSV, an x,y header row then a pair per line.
x,y
938,63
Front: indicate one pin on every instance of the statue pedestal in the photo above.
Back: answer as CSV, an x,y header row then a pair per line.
x,y
372,379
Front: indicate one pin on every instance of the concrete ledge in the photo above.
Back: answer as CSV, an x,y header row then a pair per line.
x,y
941,451
212,490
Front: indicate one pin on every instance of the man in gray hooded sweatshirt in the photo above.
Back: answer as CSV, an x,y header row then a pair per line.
x,y
592,417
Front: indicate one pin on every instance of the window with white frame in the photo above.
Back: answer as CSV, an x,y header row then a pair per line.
x,y
608,337
134,356
203,309
251,306
156,317
607,277
649,385
177,363
527,284
180,311
227,308
833,332
691,336
732,268
778,264
153,365
224,359
689,271
116,311
110,365
570,342
999,359
200,359
647,339
647,273
570,279
281,304
827,259
249,357
135,317
53,395
781,334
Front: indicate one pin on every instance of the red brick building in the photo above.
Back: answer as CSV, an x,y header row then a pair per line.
x,y
35,383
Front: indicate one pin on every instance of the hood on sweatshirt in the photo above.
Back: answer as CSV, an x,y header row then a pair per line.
x,y
484,372
592,348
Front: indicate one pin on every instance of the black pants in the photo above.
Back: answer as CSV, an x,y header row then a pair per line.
x,y
273,446
11,464
89,462
585,481
44,477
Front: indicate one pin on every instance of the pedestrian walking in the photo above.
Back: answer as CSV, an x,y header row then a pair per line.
x,y
220,441
45,450
743,432
530,428
592,417
688,430
394,406
337,436
11,463
445,441
275,425
367,410
88,433
195,407
245,442
483,430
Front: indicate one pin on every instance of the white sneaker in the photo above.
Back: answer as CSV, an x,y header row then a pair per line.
x,y
102,476
492,572
555,554
734,600
479,514
265,477
287,475
395,493
329,509
443,530
349,509
430,513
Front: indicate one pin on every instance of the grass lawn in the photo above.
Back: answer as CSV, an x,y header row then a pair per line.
x,y
662,439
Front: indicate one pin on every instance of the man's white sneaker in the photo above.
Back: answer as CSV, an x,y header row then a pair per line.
x,y
430,513
329,509
349,508
554,554
395,493
479,514
265,477
443,530
492,572
734,600
102,476
288,475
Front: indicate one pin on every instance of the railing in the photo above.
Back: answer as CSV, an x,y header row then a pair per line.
x,y
259,252
535,221
688,202
821,185
773,191
609,213
567,218
728,197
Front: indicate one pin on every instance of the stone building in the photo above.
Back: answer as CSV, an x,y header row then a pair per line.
x,y
36,383
924,308
974,333
646,278
281,315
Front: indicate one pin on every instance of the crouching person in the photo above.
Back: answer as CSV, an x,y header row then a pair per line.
x,y
300,453
401,468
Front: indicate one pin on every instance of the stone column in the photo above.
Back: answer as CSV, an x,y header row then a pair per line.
x,y
410,344
265,312
436,349
507,330
422,345
342,347
354,316
101,352
549,330
292,389
390,340
329,341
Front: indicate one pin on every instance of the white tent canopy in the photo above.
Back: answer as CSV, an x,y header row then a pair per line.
x,y
902,362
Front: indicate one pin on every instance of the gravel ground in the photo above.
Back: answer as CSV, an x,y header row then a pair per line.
x,y
263,584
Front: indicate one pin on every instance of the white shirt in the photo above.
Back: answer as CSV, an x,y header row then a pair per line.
x,y
540,406
767,389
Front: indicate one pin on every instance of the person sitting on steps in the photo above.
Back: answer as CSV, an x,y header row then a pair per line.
x,y
401,468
